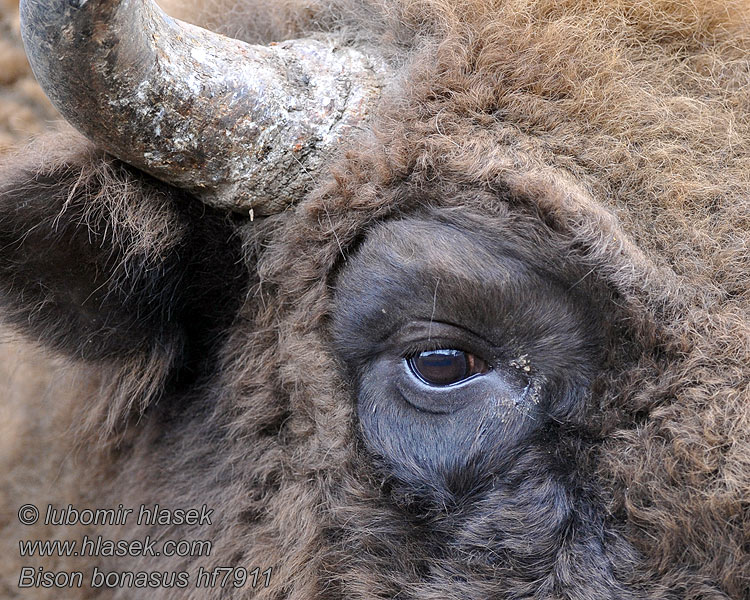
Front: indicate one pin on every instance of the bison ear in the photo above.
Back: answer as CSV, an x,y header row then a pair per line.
x,y
103,264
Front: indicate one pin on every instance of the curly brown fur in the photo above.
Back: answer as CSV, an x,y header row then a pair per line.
x,y
617,134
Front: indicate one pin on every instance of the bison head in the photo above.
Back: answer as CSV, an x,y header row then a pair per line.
x,y
448,302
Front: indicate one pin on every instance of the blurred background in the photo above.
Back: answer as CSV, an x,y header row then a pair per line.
x,y
24,109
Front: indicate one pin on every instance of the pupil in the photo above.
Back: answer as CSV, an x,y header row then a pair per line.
x,y
445,367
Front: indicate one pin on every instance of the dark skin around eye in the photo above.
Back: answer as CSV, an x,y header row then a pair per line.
x,y
460,349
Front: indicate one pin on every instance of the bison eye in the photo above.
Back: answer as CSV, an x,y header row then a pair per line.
x,y
446,367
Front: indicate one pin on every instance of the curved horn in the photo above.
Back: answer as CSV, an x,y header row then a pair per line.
x,y
240,126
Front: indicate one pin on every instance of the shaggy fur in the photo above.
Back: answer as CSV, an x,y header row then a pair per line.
x,y
614,135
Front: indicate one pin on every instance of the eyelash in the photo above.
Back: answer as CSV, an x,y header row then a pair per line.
x,y
421,337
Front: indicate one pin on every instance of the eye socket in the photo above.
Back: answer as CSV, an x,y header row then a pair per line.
x,y
446,367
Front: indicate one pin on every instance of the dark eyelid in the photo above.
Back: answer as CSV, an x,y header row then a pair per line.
x,y
423,335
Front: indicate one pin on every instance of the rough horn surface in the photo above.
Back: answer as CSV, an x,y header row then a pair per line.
x,y
241,126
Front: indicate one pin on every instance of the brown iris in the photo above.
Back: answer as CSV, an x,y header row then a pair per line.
x,y
446,367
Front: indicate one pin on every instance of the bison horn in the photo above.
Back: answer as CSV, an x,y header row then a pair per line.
x,y
241,126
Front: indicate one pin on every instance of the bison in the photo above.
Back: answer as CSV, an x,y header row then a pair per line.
x,y
391,299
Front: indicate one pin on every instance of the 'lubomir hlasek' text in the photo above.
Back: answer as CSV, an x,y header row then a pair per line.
x,y
146,515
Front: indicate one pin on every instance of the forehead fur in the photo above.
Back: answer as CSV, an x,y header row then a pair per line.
x,y
590,111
